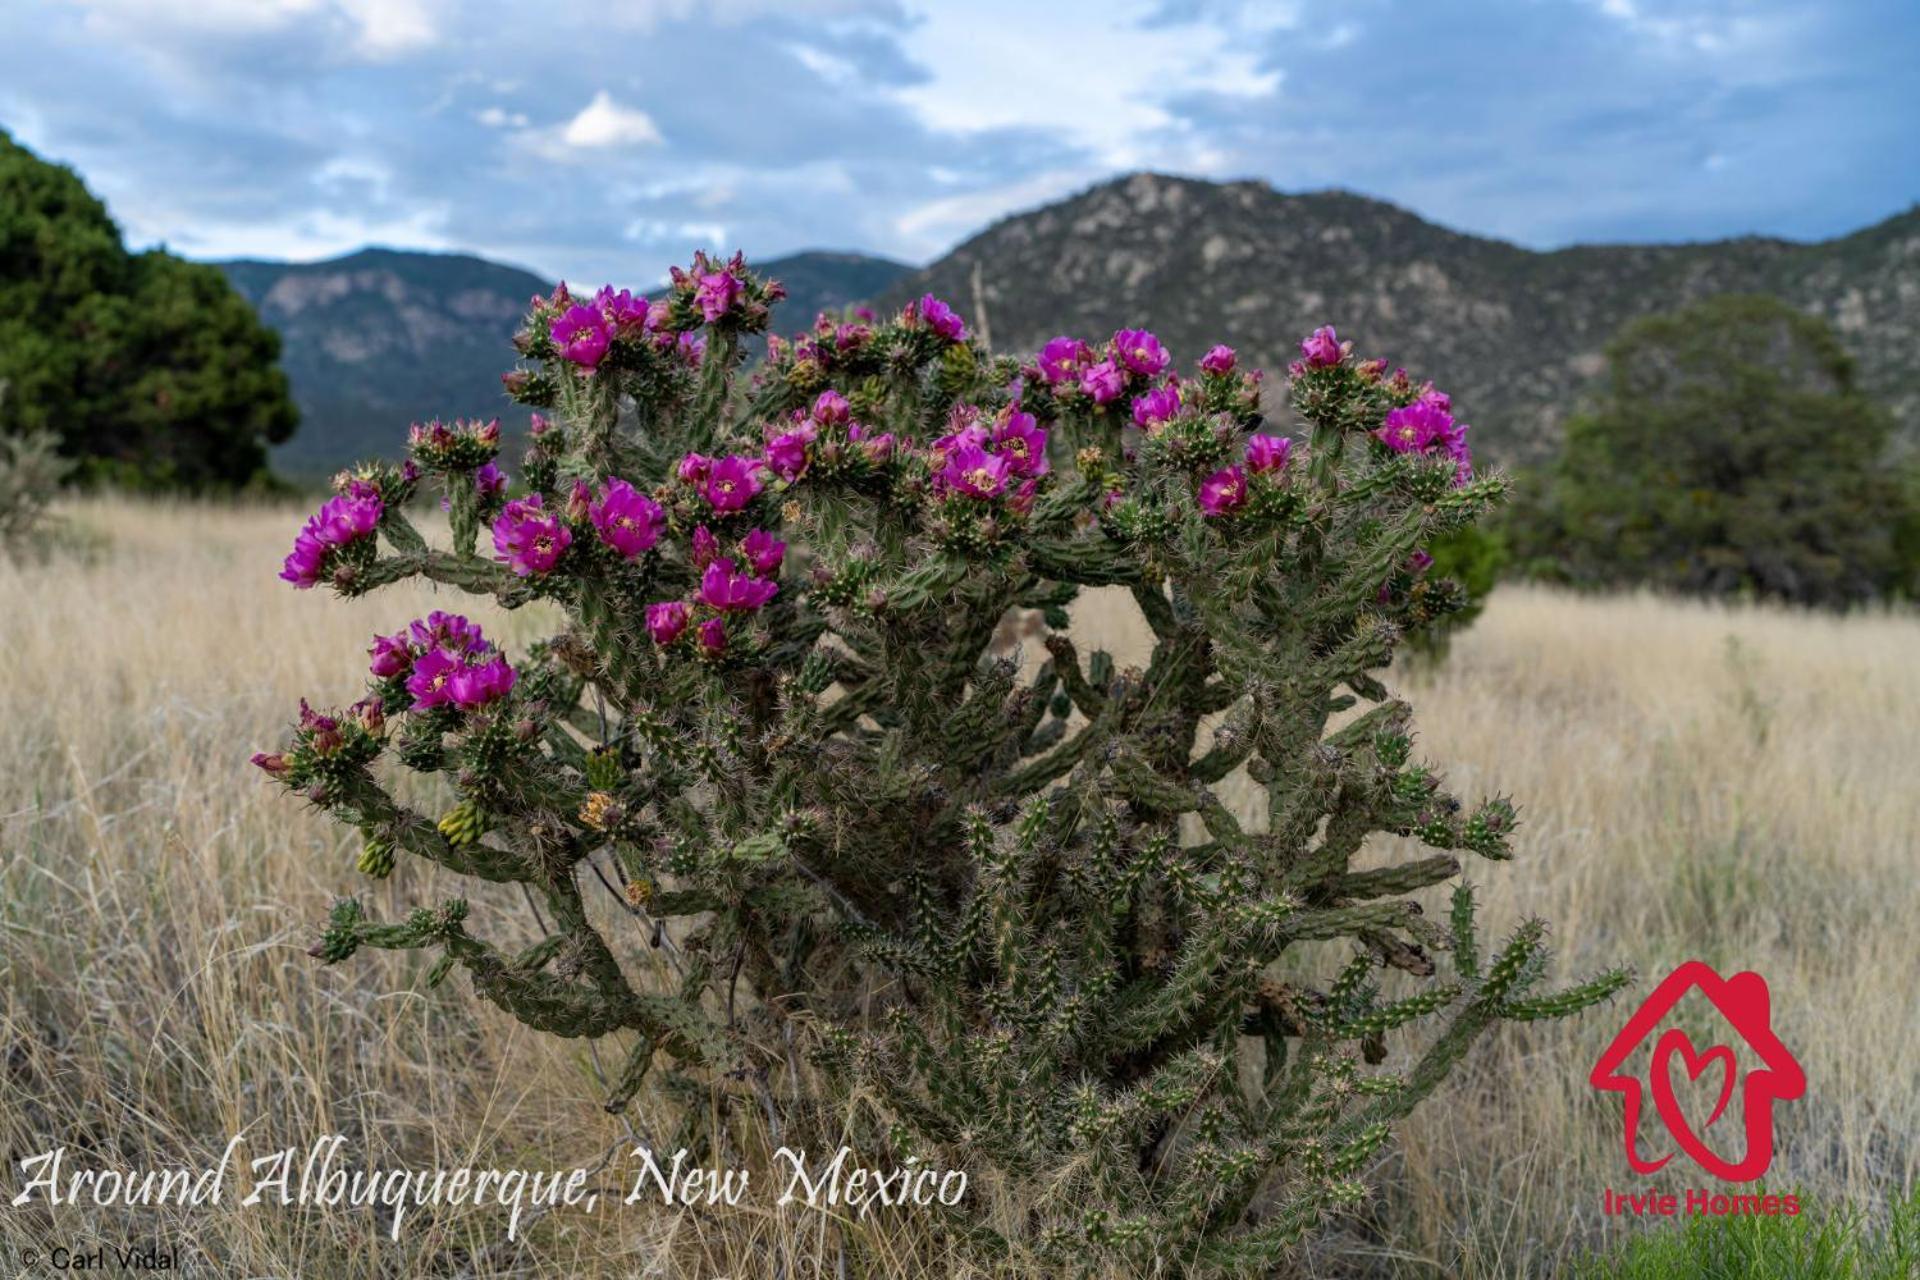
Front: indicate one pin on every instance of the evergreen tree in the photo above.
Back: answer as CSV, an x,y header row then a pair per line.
x,y
150,370
1731,454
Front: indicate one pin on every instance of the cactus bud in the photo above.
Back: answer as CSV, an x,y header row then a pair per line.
x,y
463,824
376,857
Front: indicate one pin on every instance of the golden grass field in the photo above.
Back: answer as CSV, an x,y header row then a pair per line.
x,y
1730,783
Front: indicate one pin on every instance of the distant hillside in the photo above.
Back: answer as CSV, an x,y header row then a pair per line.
x,y
1516,335
381,338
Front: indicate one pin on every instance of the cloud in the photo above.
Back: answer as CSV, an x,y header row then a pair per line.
x,y
605,141
604,123
373,29
1104,86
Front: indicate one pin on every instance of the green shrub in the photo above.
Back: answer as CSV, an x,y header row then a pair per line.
x,y
1003,910
1730,455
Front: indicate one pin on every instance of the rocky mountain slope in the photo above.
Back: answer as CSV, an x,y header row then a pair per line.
x,y
1516,335
381,338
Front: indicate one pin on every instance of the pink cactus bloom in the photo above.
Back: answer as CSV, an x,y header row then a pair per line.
x,y
1103,382
1321,349
1223,492
764,552
431,682
1268,453
582,335
626,519
1138,351
1063,360
1157,407
939,317
716,294
528,538
711,636
731,482
1416,427
624,311
975,472
1021,441
390,656
830,408
786,453
666,621
726,589
1219,360
476,684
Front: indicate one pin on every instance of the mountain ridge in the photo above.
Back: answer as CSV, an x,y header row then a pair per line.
x,y
380,337
1516,334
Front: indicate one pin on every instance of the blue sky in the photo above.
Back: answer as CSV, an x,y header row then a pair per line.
x,y
604,140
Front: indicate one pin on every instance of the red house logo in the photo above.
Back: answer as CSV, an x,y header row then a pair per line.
x,y
1744,1002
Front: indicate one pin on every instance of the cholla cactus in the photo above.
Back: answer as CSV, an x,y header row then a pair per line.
x,y
1006,909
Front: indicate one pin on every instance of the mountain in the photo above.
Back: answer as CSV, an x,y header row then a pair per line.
x,y
1516,335
382,338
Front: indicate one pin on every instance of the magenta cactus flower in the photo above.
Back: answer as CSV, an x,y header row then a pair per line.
x,y
449,631
431,681
489,481
626,519
667,620
716,294
939,317
305,562
1268,453
725,588
975,472
1416,427
711,636
623,310
1063,360
1103,382
390,655
476,684
1138,351
1322,348
764,552
583,336
1160,405
1019,439
529,538
1223,492
830,408
703,548
342,519
876,448
786,453
731,482
1219,360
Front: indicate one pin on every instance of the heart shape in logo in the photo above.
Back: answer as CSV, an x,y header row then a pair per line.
x,y
1675,1043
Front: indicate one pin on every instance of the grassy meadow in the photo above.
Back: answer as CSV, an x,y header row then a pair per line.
x,y
1730,783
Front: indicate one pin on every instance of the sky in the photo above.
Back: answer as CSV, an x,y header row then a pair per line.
x,y
603,141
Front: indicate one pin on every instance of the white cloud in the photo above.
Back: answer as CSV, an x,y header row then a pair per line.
x,y
375,29
830,67
604,123
501,118
1103,85
711,235
388,28
929,229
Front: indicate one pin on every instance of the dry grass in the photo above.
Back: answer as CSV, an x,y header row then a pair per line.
x,y
1750,803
